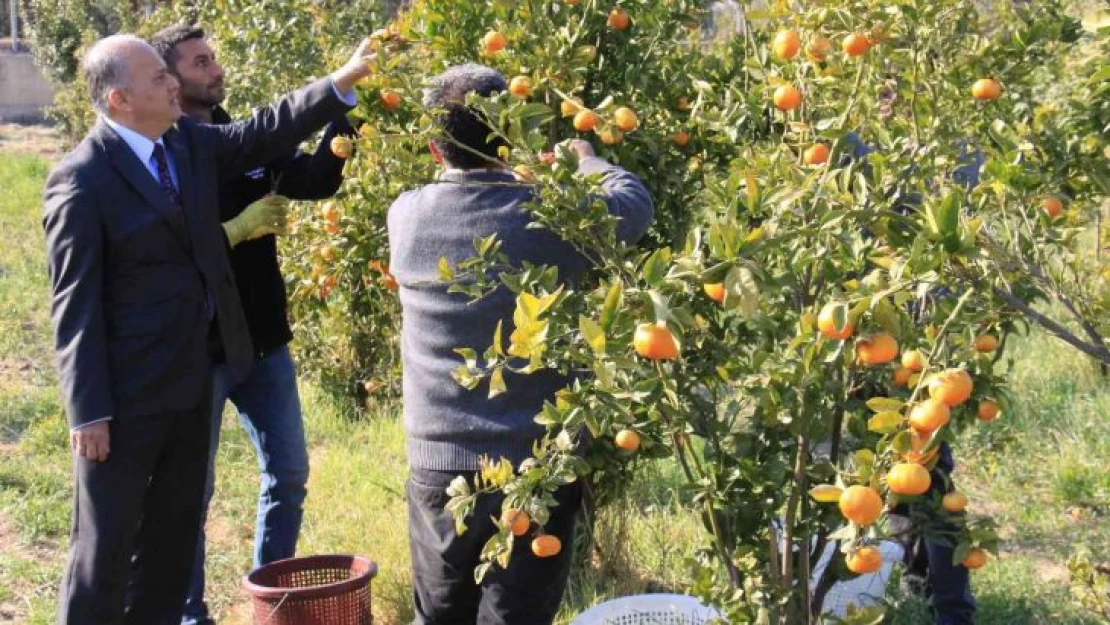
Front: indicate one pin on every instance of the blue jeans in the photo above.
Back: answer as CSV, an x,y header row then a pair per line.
x,y
953,603
949,584
270,410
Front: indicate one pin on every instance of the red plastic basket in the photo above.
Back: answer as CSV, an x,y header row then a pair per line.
x,y
314,590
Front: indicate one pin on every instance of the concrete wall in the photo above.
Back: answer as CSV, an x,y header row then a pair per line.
x,y
24,92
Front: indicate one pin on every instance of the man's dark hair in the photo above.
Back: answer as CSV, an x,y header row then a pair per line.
x,y
165,41
465,141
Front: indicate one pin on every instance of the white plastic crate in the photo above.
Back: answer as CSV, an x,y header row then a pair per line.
x,y
865,590
656,609
662,609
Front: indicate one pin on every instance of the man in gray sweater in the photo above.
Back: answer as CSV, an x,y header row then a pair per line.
x,y
448,427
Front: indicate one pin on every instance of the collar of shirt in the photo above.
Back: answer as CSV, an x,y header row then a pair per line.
x,y
479,173
143,148
139,144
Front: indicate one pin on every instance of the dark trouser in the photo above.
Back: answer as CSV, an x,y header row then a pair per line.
x,y
135,521
949,584
270,411
443,562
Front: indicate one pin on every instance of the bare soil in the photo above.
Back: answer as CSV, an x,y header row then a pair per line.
x,y
42,140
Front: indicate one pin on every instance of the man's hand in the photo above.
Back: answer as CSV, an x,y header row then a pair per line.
x,y
266,216
91,442
579,146
358,67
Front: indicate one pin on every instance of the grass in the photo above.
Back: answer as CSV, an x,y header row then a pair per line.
x,y
1040,470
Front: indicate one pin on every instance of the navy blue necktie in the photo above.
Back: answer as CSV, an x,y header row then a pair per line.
x,y
166,182
164,179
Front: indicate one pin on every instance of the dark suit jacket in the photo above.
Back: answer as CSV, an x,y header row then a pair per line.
x,y
129,271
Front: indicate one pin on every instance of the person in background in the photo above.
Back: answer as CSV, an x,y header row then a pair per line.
x,y
267,401
930,570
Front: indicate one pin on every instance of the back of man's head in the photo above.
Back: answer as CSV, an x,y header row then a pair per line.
x,y
465,141
165,41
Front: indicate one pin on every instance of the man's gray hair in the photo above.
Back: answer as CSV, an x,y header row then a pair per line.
x,y
453,84
105,66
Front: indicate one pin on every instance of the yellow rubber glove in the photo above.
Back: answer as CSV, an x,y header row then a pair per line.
x,y
266,216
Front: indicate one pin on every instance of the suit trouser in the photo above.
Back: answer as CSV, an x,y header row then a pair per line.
x,y
136,518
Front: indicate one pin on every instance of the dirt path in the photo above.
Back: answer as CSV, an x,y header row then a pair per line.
x,y
36,139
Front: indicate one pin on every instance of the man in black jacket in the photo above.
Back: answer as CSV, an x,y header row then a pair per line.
x,y
267,401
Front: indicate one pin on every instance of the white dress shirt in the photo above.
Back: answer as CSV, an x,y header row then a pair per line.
x,y
144,149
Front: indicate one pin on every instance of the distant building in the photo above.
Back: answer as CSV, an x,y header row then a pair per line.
x,y
25,94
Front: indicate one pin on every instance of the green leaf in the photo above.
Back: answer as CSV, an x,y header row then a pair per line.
x,y
660,305
1003,135
497,382
716,273
592,425
960,553
1099,76
948,221
465,378
885,404
861,307
655,268
840,316
445,272
592,333
613,301
1100,178
469,355
871,615
496,345
485,244
886,317
864,459
901,443
481,570
605,372
885,422
530,306
742,292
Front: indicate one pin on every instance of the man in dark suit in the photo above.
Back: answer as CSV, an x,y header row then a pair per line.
x,y
144,304
267,400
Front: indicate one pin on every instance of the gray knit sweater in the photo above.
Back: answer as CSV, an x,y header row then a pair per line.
x,y
448,427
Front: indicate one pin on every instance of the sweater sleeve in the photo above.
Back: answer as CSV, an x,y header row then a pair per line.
x,y
626,196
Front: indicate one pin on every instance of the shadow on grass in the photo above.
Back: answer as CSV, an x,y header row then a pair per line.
x,y
994,609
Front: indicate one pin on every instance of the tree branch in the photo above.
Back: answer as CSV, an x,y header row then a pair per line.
x,y
1096,351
